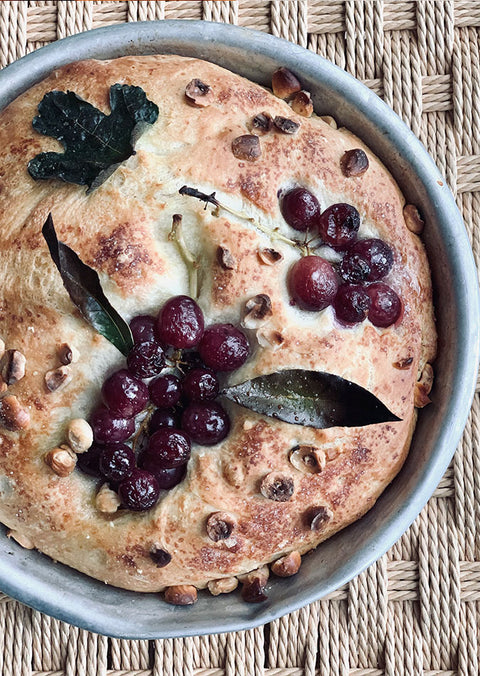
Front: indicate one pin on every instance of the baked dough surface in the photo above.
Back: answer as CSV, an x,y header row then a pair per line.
x,y
121,230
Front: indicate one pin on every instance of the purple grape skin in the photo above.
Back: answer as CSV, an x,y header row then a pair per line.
x,y
143,329
206,423
351,303
338,226
140,491
200,385
89,462
224,347
354,268
163,417
165,391
377,255
180,323
168,447
300,209
146,359
191,360
386,306
124,395
108,428
117,462
312,283
169,477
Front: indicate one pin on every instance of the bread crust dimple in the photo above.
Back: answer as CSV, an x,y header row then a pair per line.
x,y
121,229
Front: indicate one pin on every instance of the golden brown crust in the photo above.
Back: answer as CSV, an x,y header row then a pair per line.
x,y
121,230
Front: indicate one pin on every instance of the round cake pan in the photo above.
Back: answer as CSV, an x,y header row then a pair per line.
x,y
68,595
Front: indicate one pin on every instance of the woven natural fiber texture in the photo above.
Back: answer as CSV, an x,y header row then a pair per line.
x,y
416,611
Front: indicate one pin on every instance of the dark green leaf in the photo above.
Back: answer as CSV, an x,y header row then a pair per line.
x,y
95,143
310,398
83,286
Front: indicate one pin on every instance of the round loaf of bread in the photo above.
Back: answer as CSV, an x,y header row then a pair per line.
x,y
121,229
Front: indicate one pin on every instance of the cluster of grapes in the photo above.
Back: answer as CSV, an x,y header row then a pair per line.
x,y
177,406
352,287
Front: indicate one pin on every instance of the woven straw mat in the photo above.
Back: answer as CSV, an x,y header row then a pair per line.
x,y
417,610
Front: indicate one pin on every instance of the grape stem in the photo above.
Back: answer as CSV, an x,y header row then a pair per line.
x,y
176,235
211,199
142,427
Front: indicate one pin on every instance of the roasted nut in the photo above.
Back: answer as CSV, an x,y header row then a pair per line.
x,y
198,93
12,366
2,348
3,386
261,123
159,556
181,595
308,459
13,416
106,500
21,539
302,104
262,574
58,378
403,364
256,310
220,526
246,147
61,460
225,258
284,83
79,435
285,125
318,517
68,354
270,338
223,586
423,387
413,220
287,565
331,121
277,486
269,256
354,162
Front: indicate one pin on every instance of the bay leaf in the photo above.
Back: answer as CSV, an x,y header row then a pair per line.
x,y
310,398
83,286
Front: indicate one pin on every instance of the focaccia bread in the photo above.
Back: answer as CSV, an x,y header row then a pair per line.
x,y
121,229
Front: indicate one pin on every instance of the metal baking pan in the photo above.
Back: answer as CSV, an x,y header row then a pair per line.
x,y
73,597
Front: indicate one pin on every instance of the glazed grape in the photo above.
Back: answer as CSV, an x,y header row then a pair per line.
x,y
354,268
146,359
168,447
312,283
163,418
89,462
140,491
206,423
200,385
385,306
117,462
165,390
180,323
223,347
143,329
109,428
377,255
168,478
300,209
351,303
338,226
124,394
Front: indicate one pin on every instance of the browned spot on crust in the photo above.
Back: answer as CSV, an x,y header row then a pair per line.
x,y
117,253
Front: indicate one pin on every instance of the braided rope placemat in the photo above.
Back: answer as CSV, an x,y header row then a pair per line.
x,y
417,610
